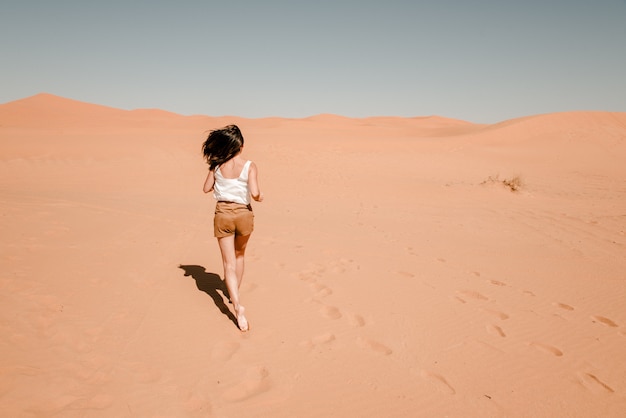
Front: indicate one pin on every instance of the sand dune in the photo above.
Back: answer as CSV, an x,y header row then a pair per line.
x,y
392,271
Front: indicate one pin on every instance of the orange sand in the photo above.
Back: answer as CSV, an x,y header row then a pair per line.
x,y
392,272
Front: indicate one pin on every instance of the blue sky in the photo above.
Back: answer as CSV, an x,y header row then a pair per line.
x,y
478,60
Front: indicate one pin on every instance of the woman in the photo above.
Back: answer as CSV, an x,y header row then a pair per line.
x,y
233,181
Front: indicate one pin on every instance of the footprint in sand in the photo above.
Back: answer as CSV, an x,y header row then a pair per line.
x,y
307,276
337,268
224,350
497,314
356,320
330,312
495,330
473,294
375,346
591,382
438,381
255,382
321,290
604,320
563,306
312,273
546,348
322,339
497,283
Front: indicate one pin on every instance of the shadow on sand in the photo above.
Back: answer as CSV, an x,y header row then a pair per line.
x,y
210,283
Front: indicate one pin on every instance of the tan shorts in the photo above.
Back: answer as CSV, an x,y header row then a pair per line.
x,y
232,218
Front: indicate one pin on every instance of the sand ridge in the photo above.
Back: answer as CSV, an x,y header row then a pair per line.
x,y
392,271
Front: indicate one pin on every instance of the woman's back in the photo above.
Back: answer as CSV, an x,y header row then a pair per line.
x,y
232,168
232,187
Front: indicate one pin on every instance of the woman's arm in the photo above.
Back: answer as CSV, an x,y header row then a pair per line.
x,y
253,183
209,182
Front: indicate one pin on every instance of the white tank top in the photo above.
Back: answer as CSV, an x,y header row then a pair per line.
x,y
232,190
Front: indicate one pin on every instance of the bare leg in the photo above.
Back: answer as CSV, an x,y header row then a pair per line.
x,y
241,241
228,247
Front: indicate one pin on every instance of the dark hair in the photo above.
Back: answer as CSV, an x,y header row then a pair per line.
x,y
221,145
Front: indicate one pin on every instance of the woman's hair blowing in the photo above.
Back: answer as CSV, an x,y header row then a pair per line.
x,y
221,145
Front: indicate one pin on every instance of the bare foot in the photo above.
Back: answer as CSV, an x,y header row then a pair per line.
x,y
242,322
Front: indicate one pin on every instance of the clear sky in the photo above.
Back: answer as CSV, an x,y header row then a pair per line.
x,y
478,60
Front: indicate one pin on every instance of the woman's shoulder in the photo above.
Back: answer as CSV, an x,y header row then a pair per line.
x,y
247,167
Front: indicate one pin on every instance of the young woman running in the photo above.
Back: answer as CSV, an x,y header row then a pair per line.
x,y
233,181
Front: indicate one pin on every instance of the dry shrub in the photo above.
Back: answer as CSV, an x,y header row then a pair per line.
x,y
514,184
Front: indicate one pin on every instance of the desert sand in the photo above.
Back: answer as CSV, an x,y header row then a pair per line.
x,y
400,267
